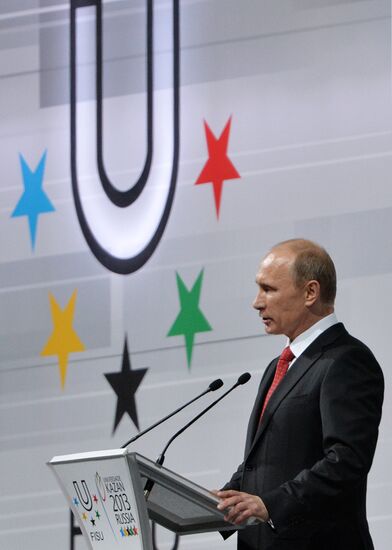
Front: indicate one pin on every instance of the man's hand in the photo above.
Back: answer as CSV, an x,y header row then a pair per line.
x,y
241,506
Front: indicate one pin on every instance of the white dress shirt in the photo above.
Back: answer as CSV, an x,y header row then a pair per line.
x,y
303,341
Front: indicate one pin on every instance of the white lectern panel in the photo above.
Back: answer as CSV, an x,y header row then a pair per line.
x,y
101,491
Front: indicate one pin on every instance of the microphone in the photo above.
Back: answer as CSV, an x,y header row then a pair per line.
x,y
243,379
215,385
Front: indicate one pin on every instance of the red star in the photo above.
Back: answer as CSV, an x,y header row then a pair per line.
x,y
95,498
218,167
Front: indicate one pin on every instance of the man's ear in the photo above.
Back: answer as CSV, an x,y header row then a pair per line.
x,y
312,292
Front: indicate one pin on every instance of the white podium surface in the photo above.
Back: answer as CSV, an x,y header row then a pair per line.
x,y
103,494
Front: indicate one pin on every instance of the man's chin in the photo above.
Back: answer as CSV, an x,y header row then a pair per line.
x,y
269,328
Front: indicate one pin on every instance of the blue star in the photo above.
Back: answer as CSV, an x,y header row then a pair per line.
x,y
75,501
122,532
34,200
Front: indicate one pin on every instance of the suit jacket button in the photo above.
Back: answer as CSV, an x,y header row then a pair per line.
x,y
248,468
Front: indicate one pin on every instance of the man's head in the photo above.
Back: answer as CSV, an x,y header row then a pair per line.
x,y
297,287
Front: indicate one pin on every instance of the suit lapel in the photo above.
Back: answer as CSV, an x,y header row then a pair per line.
x,y
254,419
301,366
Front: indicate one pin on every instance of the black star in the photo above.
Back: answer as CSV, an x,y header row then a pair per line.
x,y
125,383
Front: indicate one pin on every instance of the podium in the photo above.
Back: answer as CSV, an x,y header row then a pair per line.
x,y
105,491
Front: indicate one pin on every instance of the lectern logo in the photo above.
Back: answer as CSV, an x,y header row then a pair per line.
x,y
83,494
123,227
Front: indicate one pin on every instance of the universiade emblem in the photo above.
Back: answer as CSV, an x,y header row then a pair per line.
x,y
123,227
84,495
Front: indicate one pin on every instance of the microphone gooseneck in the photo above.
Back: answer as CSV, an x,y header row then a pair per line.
x,y
215,385
243,379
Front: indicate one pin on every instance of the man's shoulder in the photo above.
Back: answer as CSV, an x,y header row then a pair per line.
x,y
338,341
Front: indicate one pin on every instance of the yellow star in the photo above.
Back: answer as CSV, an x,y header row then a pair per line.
x,y
63,339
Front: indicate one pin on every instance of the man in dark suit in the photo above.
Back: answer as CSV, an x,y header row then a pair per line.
x,y
314,426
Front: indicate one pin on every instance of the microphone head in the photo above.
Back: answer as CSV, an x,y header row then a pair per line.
x,y
244,378
215,385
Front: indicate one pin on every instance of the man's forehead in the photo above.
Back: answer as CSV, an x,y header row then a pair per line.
x,y
277,258
274,266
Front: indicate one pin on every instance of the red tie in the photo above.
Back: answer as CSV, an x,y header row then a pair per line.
x,y
281,368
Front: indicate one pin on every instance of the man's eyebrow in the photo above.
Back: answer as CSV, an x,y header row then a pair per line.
x,y
266,285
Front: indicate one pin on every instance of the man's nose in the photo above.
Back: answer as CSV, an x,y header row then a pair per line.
x,y
258,302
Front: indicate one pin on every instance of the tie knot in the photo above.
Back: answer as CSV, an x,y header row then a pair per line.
x,y
286,355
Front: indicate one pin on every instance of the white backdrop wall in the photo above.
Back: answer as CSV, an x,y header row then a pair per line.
x,y
307,84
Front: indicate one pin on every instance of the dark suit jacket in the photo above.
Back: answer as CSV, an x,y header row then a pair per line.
x,y
309,457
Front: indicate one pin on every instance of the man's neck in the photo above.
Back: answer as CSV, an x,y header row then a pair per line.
x,y
303,340
315,316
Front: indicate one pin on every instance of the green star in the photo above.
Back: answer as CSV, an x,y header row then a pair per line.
x,y
190,319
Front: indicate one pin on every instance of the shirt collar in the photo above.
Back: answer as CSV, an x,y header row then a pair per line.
x,y
299,344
